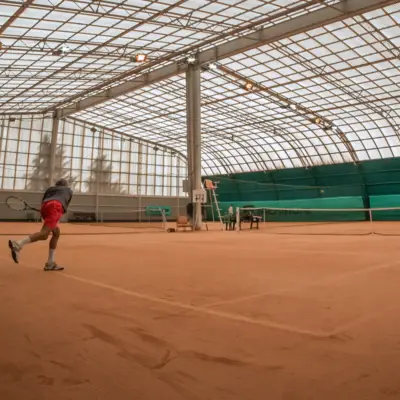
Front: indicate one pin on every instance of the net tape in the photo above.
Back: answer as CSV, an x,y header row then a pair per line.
x,y
302,218
320,209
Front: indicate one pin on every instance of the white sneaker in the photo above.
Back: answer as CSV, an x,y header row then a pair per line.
x,y
15,249
52,267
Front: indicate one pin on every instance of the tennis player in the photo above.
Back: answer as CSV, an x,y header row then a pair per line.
x,y
55,204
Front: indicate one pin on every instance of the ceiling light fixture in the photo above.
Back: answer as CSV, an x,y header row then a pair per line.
x,y
140,57
209,67
60,51
316,120
323,123
191,59
64,48
248,86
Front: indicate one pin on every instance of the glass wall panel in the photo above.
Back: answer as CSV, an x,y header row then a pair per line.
x,y
94,160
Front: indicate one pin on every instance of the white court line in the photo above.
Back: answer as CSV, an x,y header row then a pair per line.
x,y
303,251
364,319
215,313
188,307
310,284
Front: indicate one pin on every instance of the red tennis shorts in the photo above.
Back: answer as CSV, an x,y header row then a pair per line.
x,y
51,212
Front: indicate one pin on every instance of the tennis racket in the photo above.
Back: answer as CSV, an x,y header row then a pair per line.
x,y
17,204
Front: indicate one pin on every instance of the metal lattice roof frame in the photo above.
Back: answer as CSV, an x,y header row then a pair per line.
x,y
314,13
223,48
98,32
322,16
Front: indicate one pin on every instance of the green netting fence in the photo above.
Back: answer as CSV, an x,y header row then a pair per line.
x,y
371,184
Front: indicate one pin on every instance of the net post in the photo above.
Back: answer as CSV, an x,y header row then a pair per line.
x,y
164,219
370,219
237,219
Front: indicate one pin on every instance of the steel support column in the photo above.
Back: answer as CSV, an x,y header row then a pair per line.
x,y
189,130
197,140
193,101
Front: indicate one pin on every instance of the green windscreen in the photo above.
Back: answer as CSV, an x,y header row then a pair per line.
x,y
156,210
367,184
388,201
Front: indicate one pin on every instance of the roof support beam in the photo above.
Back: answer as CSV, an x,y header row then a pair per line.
x,y
126,87
318,18
17,14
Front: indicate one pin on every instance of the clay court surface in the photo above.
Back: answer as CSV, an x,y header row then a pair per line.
x,y
206,315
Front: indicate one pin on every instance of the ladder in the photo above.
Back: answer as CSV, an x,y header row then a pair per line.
x,y
211,187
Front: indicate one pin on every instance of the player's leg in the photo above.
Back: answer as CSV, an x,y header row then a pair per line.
x,y
52,222
51,213
17,245
53,244
51,265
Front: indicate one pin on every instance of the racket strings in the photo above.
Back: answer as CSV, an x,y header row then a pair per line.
x,y
16,204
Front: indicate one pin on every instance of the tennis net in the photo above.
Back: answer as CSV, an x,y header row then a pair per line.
x,y
320,221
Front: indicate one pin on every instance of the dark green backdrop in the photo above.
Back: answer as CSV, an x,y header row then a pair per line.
x,y
367,184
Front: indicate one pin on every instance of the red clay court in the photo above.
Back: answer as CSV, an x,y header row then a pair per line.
x,y
217,315
284,113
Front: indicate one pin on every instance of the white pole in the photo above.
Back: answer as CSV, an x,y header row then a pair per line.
x,y
370,220
140,206
212,205
238,219
97,193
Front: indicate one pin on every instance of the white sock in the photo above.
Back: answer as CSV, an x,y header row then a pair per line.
x,y
23,242
51,256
